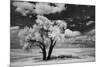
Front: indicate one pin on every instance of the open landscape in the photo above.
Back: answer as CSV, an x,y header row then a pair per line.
x,y
51,33
65,55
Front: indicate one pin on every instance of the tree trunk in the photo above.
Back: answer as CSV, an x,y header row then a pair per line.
x,y
51,49
50,52
44,53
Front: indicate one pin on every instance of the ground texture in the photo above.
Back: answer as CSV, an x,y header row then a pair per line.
x,y
59,55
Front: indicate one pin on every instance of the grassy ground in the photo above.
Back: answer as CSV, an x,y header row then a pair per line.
x,y
59,55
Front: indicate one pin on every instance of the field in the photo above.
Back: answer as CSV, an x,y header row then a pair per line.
x,y
68,50
71,27
59,55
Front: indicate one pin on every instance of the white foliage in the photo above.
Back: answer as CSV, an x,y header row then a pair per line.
x,y
43,30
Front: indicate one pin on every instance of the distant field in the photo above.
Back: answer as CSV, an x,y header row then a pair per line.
x,y
83,41
59,55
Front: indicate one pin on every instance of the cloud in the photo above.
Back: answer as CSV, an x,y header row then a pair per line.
x,y
68,32
90,22
45,8
24,7
14,28
39,8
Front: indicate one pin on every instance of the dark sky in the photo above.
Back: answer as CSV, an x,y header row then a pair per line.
x,y
76,16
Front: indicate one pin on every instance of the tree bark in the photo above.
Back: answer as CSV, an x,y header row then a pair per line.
x,y
43,48
50,52
53,42
44,54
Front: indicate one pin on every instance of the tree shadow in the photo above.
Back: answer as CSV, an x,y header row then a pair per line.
x,y
60,57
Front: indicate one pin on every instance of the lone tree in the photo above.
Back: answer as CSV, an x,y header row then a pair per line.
x,y
44,34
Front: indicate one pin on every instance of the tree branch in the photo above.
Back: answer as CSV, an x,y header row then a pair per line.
x,y
40,44
54,43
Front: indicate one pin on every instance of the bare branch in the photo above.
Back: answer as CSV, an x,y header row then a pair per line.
x,y
38,43
54,43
